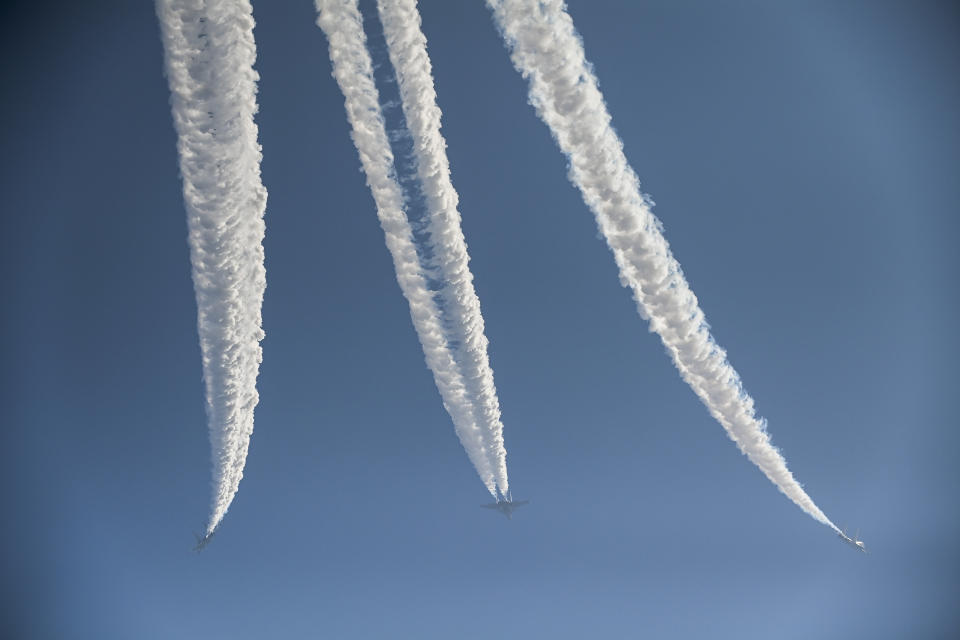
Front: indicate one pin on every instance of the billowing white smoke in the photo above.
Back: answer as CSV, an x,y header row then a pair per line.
x,y
408,53
546,50
209,52
342,23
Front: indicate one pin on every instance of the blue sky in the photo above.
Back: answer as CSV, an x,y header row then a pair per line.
x,y
803,160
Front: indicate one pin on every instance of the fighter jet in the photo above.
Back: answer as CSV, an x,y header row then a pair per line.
x,y
202,542
506,506
853,542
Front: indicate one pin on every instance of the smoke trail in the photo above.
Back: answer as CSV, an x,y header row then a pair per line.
x,y
209,53
408,53
546,50
342,23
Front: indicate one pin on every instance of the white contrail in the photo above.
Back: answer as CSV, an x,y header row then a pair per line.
x,y
408,53
209,52
546,50
342,23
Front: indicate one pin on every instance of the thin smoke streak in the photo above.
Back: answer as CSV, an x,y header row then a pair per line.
x,y
547,51
407,49
342,24
209,54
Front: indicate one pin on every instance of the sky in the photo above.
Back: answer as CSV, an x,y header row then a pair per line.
x,y
803,159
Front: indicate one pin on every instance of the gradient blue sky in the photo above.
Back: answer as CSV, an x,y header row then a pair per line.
x,y
803,157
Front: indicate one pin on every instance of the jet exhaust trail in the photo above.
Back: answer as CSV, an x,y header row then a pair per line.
x,y
209,53
407,47
342,24
546,49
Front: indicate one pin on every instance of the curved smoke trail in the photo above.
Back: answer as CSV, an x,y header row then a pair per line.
x,y
546,49
407,48
209,54
342,23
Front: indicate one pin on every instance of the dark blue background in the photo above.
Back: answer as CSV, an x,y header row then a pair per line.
x,y
804,161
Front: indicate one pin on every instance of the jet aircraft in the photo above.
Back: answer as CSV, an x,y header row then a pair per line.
x,y
202,542
506,506
853,542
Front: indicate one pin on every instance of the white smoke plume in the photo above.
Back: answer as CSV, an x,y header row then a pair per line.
x,y
546,49
209,55
407,48
342,23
